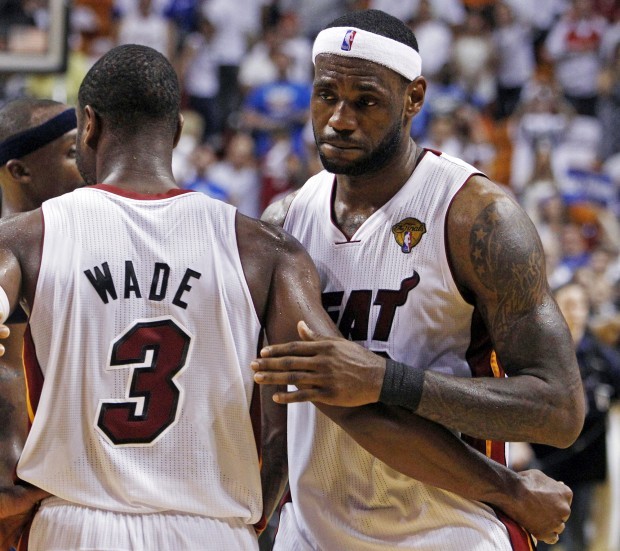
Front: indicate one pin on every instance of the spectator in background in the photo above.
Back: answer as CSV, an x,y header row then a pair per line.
x,y
573,46
313,15
202,158
434,35
443,95
540,16
183,15
474,129
237,175
182,155
282,170
258,67
277,109
583,465
147,27
198,69
126,7
297,46
402,10
514,57
451,12
596,279
235,25
473,55
612,35
575,249
540,121
609,106
12,13
442,135
541,187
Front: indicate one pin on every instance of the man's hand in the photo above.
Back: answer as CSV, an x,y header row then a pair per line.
x,y
17,504
331,370
542,505
4,334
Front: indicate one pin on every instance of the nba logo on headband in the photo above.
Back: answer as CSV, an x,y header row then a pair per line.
x,y
347,42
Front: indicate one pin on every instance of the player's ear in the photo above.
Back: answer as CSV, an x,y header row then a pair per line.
x,y
18,170
92,127
414,97
177,134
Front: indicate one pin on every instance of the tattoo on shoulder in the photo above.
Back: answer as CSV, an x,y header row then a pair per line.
x,y
508,260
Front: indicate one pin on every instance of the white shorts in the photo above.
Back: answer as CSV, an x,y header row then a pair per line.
x,y
63,526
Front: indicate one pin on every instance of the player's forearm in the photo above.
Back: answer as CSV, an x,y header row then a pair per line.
x,y
426,452
516,409
274,467
540,401
274,476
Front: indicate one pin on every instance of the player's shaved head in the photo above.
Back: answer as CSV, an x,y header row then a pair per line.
x,y
130,86
25,113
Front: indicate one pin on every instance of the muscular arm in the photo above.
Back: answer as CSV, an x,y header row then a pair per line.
x,y
498,261
410,444
257,243
16,500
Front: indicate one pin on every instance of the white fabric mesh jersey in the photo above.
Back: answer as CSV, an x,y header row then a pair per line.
x,y
142,333
389,288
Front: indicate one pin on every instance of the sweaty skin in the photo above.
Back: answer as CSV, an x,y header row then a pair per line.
x,y
497,261
26,182
541,400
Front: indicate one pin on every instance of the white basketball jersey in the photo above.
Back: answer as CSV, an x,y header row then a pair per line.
x,y
141,338
389,288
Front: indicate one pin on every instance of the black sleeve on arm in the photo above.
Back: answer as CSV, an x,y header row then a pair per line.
x,y
402,385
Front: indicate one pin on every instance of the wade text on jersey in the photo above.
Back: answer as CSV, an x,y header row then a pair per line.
x,y
103,282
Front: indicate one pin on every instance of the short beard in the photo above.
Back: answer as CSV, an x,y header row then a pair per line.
x,y
374,161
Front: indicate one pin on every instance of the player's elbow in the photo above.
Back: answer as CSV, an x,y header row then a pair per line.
x,y
570,415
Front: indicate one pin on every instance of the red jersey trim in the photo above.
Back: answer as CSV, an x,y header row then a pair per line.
x,y
520,539
141,196
33,374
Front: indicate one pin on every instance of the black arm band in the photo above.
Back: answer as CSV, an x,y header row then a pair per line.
x,y
402,385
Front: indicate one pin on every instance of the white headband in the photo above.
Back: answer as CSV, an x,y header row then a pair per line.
x,y
353,42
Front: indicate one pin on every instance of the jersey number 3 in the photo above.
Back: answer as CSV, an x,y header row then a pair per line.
x,y
155,353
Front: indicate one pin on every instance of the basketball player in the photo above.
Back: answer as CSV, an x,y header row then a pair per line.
x,y
37,161
147,304
447,316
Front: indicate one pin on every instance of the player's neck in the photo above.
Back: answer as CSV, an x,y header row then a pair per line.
x,y
360,196
15,203
148,173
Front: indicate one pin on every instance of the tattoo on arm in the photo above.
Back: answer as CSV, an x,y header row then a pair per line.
x,y
508,260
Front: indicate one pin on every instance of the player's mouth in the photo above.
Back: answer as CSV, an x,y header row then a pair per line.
x,y
337,147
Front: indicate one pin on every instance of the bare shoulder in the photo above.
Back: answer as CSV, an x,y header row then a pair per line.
x,y
20,253
19,232
497,235
495,250
276,212
268,252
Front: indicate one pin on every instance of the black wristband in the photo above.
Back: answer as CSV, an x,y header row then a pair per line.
x,y
402,385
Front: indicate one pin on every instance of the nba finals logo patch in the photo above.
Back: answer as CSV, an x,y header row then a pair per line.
x,y
347,43
408,233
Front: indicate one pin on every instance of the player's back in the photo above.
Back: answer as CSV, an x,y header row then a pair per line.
x,y
138,352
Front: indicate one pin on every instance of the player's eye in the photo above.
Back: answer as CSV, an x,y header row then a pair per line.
x,y
367,101
325,95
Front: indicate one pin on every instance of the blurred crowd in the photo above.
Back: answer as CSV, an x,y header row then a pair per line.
x,y
526,90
